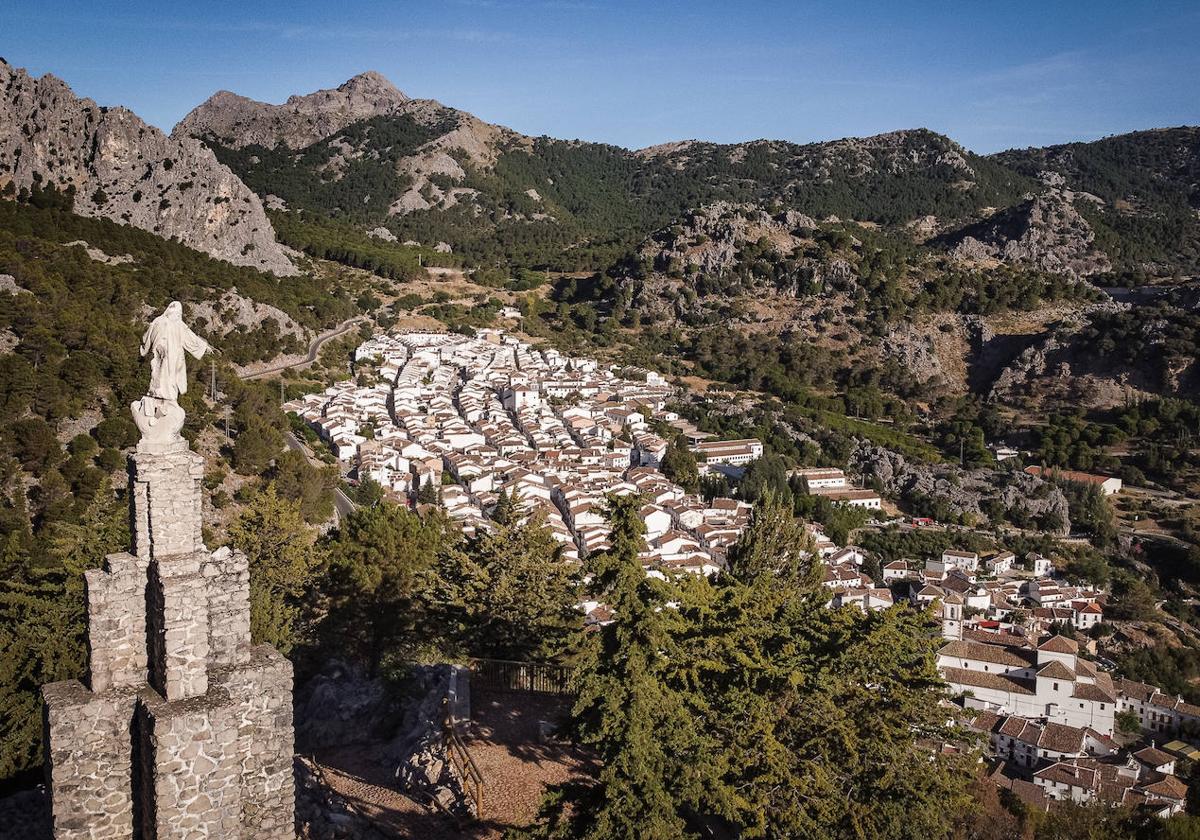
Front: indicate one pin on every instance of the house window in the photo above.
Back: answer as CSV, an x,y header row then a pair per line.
x,y
1056,686
1102,707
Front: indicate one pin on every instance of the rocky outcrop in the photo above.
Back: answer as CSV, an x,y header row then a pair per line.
x,y
1044,231
125,170
418,750
964,493
914,350
237,121
234,311
341,706
323,814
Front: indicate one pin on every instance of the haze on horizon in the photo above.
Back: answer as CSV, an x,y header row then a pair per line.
x,y
991,76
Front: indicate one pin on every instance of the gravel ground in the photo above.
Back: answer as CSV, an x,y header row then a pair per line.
x,y
506,742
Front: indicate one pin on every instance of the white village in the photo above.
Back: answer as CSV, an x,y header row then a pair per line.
x,y
472,423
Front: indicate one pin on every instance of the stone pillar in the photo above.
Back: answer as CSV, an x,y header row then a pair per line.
x,y
265,742
184,730
116,631
227,573
190,767
166,503
87,739
177,601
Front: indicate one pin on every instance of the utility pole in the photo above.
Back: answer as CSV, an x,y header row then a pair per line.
x,y
228,439
212,365
281,399
962,462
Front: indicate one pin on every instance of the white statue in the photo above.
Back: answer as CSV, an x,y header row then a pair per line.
x,y
158,414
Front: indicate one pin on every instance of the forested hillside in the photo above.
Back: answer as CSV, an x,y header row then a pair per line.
x,y
71,320
1140,191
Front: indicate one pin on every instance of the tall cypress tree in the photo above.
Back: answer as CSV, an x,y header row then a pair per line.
x,y
625,711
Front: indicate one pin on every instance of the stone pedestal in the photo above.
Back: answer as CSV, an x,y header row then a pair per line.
x,y
166,503
87,737
184,730
116,633
177,598
190,766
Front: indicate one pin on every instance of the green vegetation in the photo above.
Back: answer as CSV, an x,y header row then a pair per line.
x,y
1147,182
802,707
332,176
272,533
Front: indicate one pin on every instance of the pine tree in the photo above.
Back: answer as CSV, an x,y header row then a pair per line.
x,y
282,556
774,544
508,594
503,511
380,561
43,617
679,465
625,712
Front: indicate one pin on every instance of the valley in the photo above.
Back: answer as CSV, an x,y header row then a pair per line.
x,y
813,419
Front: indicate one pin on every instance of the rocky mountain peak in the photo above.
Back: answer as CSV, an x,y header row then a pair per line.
x,y
237,121
125,170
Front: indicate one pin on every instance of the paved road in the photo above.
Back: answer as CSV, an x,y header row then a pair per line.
x,y
343,503
314,349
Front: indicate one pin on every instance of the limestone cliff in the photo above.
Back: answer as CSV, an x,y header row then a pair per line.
x,y
1044,231
304,122
237,121
125,170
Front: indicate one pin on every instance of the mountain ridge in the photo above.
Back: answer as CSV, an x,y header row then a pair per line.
x,y
119,167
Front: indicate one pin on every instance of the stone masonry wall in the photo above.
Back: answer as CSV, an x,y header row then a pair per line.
x,y
227,574
185,730
192,766
265,741
166,503
178,627
88,757
116,633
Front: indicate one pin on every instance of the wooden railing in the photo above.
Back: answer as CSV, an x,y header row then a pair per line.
x,y
461,761
534,677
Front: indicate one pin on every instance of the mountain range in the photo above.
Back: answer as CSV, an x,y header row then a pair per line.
x,y
879,251
368,155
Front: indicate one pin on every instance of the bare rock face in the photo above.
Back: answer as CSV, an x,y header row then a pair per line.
x,y
1045,231
301,121
914,350
965,492
125,170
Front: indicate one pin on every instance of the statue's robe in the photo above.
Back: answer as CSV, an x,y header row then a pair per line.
x,y
168,338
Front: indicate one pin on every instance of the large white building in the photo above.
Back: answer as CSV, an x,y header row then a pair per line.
x,y
1050,682
734,453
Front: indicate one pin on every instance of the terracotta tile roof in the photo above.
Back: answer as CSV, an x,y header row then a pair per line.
x,y
1059,644
980,679
1153,757
1000,654
1070,773
1134,690
987,722
1097,693
1055,670
1167,787
1061,738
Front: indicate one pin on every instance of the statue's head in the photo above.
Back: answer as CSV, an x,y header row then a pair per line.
x,y
174,311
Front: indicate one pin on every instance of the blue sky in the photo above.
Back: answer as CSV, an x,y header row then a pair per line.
x,y
991,75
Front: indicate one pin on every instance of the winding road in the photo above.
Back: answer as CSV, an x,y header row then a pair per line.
x,y
314,349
